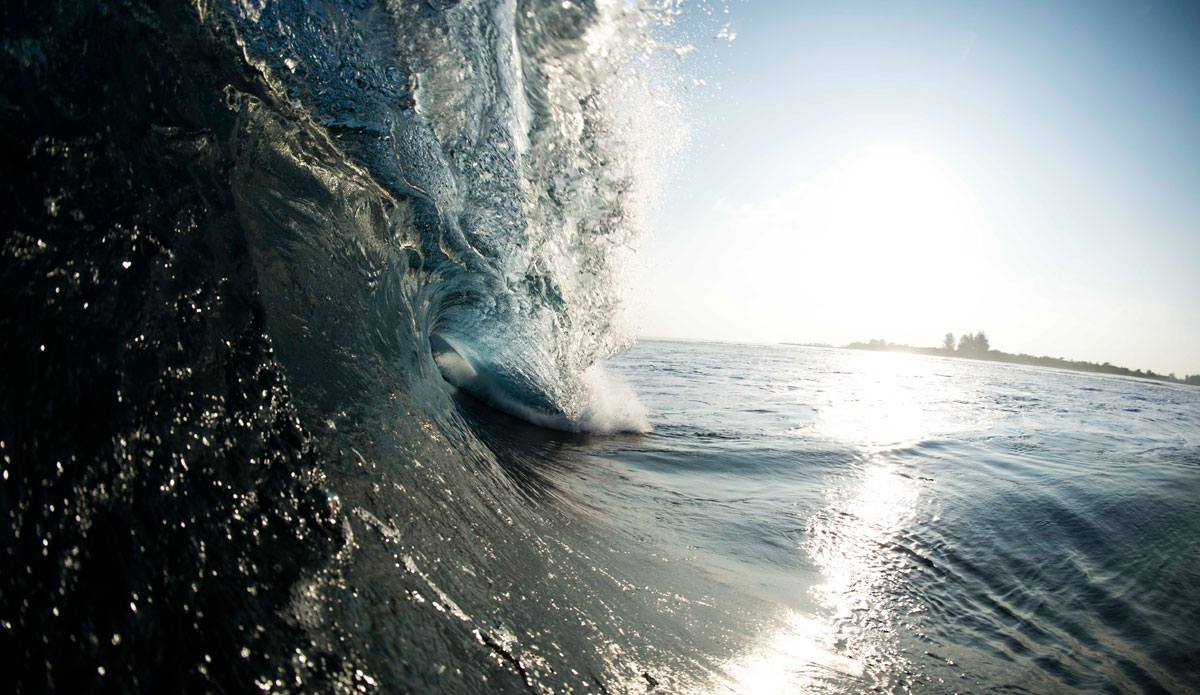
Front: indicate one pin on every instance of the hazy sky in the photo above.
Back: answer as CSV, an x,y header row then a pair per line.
x,y
902,169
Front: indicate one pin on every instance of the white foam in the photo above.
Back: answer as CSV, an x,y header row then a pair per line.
x,y
612,405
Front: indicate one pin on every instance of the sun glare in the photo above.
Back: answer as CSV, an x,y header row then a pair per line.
x,y
886,401
868,244
904,210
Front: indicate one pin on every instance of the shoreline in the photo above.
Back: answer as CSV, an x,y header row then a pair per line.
x,y
1031,360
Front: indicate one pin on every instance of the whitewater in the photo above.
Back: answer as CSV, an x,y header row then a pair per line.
x,y
316,378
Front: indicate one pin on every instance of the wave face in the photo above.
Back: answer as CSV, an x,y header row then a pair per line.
x,y
487,142
237,234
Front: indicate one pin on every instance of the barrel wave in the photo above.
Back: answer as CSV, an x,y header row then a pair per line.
x,y
477,156
249,243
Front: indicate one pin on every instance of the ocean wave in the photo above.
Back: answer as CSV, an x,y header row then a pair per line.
x,y
500,152
242,233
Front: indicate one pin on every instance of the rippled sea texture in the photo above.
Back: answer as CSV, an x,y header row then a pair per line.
x,y
921,524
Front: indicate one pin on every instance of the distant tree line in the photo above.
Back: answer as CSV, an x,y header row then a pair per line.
x,y
977,346
971,344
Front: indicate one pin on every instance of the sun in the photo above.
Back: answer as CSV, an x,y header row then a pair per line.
x,y
904,200
884,240
905,231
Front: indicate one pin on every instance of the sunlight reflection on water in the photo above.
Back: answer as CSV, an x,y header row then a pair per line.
x,y
856,539
799,655
852,541
855,542
886,401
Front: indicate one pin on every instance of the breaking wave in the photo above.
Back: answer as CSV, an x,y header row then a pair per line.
x,y
250,242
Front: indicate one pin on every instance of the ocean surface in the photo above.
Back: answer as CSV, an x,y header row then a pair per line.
x,y
314,378
912,524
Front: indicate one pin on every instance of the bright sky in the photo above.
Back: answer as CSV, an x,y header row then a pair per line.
x,y
899,170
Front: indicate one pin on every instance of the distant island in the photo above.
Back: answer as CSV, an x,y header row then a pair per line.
x,y
977,347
